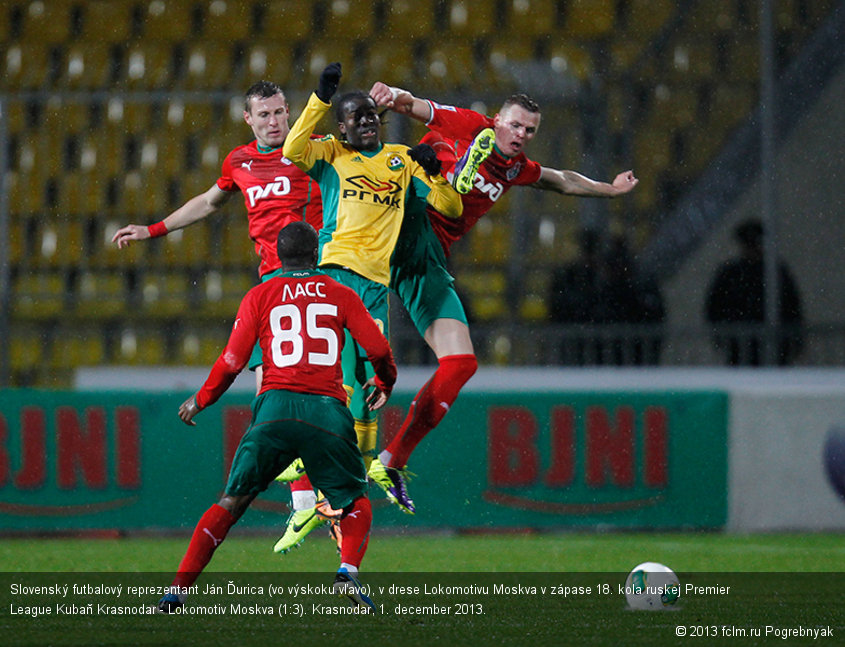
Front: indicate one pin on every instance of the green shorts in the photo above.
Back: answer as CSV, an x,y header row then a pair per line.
x,y
317,428
356,368
419,276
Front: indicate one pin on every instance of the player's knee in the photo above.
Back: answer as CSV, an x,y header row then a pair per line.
x,y
465,368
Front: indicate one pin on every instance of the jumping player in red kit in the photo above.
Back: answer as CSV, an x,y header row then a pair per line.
x,y
298,319
457,134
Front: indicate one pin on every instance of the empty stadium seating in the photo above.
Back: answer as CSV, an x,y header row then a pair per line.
x,y
169,77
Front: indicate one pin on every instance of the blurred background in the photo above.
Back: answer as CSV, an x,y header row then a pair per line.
x,y
118,111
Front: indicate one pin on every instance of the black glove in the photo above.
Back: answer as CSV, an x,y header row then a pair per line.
x,y
424,155
329,80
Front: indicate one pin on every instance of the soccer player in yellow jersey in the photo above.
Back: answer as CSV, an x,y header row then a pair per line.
x,y
367,187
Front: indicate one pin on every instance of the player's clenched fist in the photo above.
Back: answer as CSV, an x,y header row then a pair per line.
x,y
329,80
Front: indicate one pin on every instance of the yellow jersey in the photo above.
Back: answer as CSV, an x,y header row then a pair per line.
x,y
365,194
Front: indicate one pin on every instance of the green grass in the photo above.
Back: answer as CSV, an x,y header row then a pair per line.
x,y
780,580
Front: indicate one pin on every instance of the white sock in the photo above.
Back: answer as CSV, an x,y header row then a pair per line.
x,y
303,499
385,457
352,570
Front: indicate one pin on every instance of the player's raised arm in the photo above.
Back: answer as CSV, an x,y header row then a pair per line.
x,y
194,210
401,101
441,194
298,146
572,183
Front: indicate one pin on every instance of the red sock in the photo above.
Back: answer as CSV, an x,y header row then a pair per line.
x,y
209,533
355,528
431,404
301,484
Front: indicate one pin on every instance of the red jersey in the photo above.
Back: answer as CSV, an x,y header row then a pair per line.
x,y
497,174
276,193
299,318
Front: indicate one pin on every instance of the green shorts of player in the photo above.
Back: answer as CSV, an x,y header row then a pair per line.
x,y
419,276
286,425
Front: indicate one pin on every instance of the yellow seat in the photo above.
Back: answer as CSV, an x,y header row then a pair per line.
x,y
286,21
101,295
227,21
571,58
47,23
107,21
647,17
237,249
350,19
165,294
148,67
469,19
78,347
167,21
88,66
202,348
222,293
409,19
140,348
26,192
264,59
188,247
588,19
38,295
533,17
26,66
485,290
206,65
25,351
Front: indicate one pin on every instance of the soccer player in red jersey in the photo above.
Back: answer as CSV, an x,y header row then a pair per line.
x,y
453,132
276,192
299,320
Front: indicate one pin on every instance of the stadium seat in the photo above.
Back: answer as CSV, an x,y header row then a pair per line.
x,y
101,295
26,192
207,66
222,293
168,21
473,19
486,292
107,22
38,295
713,16
149,67
202,347
264,59
47,23
164,295
322,52
588,19
645,19
535,290
693,58
188,248
408,19
75,347
141,348
570,57
393,65
533,17
286,22
88,66
26,66
349,19
226,21
26,350
237,250
449,64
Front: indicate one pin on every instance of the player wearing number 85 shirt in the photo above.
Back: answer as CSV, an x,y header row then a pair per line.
x,y
299,318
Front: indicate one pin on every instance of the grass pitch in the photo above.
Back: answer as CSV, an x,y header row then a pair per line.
x,y
458,590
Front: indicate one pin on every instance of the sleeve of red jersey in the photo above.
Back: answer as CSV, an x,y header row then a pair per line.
x,y
226,182
364,330
234,357
529,173
457,123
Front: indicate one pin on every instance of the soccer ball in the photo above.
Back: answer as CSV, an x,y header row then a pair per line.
x,y
652,586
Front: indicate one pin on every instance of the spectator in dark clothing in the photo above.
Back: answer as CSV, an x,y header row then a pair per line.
x,y
629,298
575,295
737,296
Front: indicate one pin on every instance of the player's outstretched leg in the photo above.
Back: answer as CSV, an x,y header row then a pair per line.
x,y
209,533
463,177
292,472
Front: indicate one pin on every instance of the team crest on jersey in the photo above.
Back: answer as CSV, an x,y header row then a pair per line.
x,y
395,162
513,171
324,138
286,161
